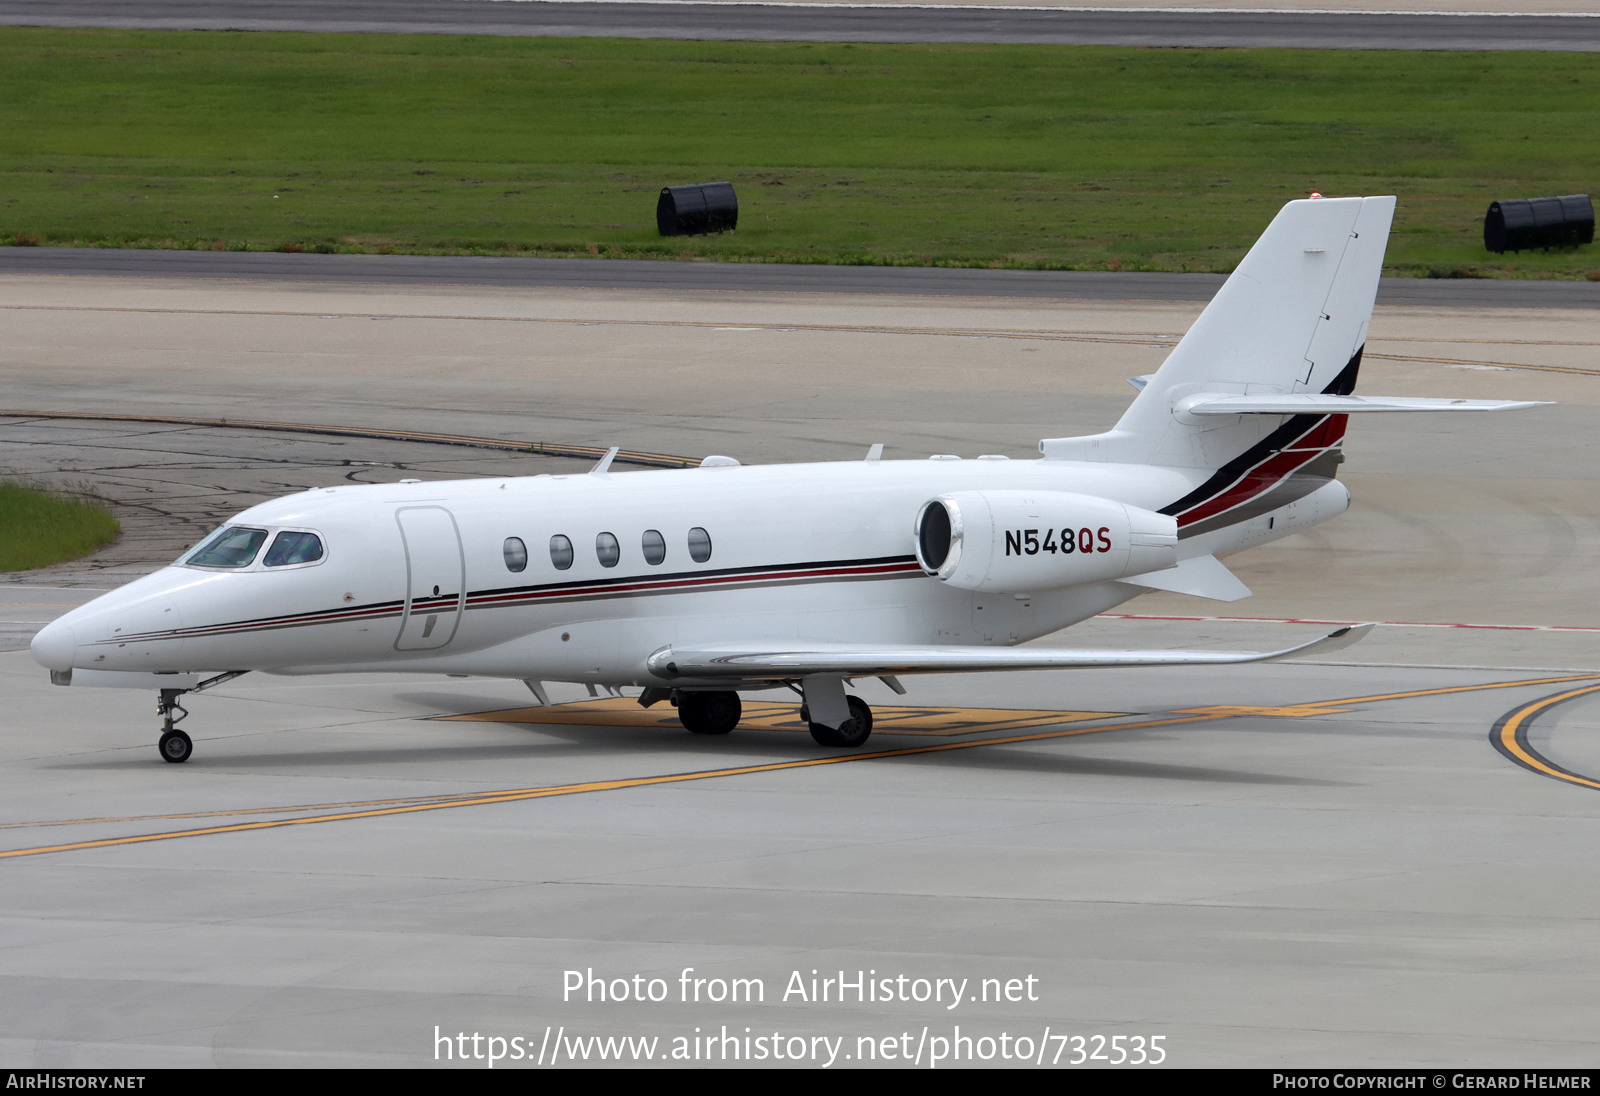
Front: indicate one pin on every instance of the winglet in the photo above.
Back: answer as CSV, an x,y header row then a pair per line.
x,y
1338,640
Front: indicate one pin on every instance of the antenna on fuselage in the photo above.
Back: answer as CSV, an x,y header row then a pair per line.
x,y
603,465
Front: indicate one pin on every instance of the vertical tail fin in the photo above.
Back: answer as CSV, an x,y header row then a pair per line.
x,y
1291,318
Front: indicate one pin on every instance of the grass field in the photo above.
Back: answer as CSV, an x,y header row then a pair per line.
x,y
1078,157
37,528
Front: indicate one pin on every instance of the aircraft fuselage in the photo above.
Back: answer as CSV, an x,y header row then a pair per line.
x,y
419,576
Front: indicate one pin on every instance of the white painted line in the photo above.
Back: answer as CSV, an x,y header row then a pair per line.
x,y
1377,623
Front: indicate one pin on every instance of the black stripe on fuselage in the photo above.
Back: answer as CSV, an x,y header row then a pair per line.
x,y
879,566
631,586
1297,485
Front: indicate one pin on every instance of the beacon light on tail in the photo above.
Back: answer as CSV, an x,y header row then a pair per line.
x,y
696,586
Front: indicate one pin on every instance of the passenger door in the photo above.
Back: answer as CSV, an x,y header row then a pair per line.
x,y
435,578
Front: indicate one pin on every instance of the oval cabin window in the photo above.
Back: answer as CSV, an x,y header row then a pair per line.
x,y
655,546
516,554
560,552
699,545
607,550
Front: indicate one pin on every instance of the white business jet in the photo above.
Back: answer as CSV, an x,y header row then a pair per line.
x,y
699,584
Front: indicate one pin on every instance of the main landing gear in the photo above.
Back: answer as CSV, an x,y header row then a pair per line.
x,y
175,746
709,712
718,712
852,732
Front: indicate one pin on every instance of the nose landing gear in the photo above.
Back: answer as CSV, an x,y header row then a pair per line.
x,y
175,746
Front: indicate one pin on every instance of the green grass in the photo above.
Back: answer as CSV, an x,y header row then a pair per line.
x,y
1078,157
38,528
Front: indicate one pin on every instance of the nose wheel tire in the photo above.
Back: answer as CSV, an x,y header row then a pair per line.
x,y
709,712
852,732
175,747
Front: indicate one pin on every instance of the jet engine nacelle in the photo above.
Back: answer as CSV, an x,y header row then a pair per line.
x,y
1016,542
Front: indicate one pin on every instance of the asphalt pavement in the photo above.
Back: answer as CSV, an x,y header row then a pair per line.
x,y
762,277
837,23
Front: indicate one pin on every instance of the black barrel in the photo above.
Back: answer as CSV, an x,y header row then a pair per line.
x,y
1523,224
696,210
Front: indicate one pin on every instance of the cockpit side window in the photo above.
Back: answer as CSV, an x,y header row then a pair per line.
x,y
234,546
291,546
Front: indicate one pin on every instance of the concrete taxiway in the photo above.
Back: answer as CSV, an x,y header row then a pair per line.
x,y
1383,860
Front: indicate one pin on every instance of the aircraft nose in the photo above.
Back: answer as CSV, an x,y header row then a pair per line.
x,y
55,646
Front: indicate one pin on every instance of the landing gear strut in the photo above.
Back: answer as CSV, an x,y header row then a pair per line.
x,y
709,712
852,732
175,746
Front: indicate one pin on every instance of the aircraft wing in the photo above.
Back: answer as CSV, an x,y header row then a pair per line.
x,y
794,660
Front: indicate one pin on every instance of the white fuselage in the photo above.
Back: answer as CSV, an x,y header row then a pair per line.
x,y
417,576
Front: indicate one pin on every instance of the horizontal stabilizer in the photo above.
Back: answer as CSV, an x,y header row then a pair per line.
x,y
1201,576
1308,403
864,660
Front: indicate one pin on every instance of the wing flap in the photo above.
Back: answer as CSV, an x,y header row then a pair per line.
x,y
864,660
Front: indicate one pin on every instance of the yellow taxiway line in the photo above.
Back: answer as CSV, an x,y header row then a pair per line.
x,y
384,808
514,795
1510,737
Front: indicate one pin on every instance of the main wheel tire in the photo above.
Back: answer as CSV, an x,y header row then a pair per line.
x,y
709,713
852,732
175,747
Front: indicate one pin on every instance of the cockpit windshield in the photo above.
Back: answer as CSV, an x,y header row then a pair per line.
x,y
293,547
234,546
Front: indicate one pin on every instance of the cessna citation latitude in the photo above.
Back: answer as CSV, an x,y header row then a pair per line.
x,y
698,584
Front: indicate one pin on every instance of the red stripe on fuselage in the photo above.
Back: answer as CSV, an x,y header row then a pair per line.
x,y
1272,470
574,591
635,586
1254,483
